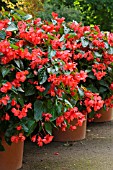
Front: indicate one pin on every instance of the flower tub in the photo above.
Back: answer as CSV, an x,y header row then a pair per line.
x,y
12,157
77,131
104,115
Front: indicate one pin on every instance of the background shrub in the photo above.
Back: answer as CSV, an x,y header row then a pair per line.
x,y
63,10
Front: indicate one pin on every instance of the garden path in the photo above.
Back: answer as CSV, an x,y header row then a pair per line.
x,y
93,153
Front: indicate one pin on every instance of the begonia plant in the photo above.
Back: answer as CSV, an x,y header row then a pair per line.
x,y
39,83
93,53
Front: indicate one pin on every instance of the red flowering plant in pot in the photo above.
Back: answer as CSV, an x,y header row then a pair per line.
x,y
94,55
39,82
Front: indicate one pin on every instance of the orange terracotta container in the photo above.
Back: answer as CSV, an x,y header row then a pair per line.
x,y
106,116
68,135
11,158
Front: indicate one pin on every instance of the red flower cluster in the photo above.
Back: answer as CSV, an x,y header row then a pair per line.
x,y
7,86
98,70
4,23
69,116
17,138
47,116
21,76
21,113
93,101
4,100
40,141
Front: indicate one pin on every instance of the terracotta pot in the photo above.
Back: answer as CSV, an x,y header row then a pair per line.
x,y
11,158
106,116
68,135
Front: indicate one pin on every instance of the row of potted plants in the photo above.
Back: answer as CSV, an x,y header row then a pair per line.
x,y
51,73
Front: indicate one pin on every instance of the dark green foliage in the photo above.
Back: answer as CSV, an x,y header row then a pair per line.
x,y
64,9
2,4
96,12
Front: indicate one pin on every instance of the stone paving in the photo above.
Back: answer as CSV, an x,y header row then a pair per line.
x,y
93,153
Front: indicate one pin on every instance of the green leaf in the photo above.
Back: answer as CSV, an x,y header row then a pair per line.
x,y
62,38
20,89
54,113
59,107
91,75
10,131
31,124
51,37
81,92
98,55
56,68
48,127
2,34
54,22
106,45
68,103
15,47
22,13
92,88
12,27
38,110
42,75
14,90
66,29
30,75
47,87
20,100
5,71
102,89
30,90
103,83
72,35
51,53
88,70
24,127
84,42
91,114
19,63
27,17
110,50
17,17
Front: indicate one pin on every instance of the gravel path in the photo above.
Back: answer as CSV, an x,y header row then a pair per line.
x,y
93,153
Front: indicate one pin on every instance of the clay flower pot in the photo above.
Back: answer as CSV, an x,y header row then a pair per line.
x,y
106,116
11,158
69,135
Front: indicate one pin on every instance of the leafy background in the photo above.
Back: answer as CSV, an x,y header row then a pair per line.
x,y
89,12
